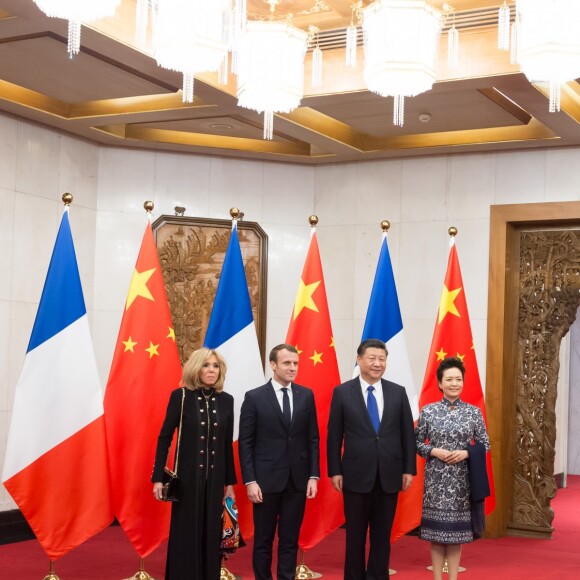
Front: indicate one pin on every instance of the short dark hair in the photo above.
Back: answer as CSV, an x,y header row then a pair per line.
x,y
371,343
450,362
274,352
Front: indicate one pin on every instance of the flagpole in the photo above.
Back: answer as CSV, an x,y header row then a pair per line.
x,y
51,574
141,574
452,231
303,572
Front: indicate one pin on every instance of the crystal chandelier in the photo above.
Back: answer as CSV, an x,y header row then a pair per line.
x,y
191,36
77,12
548,40
401,41
271,69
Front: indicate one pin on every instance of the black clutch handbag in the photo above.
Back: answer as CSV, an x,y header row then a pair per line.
x,y
171,490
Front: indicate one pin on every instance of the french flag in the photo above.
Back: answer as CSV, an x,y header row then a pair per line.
x,y
384,321
56,462
232,332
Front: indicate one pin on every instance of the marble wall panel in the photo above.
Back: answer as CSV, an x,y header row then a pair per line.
x,y
471,186
37,161
424,189
563,174
235,183
520,177
8,152
79,171
7,203
181,180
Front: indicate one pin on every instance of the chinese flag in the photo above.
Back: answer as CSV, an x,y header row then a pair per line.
x,y
452,337
311,333
145,370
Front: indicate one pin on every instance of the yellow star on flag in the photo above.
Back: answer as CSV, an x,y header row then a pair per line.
x,y
447,303
152,350
460,357
316,357
171,334
129,344
304,298
331,345
138,287
441,354
298,350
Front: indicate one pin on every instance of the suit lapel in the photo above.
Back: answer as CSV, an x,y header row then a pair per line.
x,y
386,402
359,403
271,395
296,405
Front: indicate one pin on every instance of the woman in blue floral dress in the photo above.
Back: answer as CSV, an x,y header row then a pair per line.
x,y
444,430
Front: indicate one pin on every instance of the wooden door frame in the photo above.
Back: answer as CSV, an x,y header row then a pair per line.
x,y
503,302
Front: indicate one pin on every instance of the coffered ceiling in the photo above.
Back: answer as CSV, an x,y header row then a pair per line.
x,y
115,94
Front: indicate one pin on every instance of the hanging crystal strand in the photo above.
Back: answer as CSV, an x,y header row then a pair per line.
x,y
239,26
452,47
399,110
141,20
503,27
514,56
555,90
74,37
317,66
223,72
268,125
187,87
351,41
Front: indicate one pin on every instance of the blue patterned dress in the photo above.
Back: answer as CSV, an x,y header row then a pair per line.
x,y
446,517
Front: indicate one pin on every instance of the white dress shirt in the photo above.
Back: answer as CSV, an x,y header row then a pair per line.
x,y
378,393
280,395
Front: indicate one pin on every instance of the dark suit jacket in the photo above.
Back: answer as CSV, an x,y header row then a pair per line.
x,y
269,452
390,453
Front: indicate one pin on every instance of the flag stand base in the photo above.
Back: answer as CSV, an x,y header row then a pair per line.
x,y
446,568
51,575
225,574
141,574
303,572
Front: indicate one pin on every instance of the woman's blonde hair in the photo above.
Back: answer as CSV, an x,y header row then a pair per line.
x,y
192,368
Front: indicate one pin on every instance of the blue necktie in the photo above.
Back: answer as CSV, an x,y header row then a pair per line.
x,y
373,409
286,407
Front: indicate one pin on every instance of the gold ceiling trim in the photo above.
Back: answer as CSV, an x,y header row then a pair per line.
x,y
533,131
32,100
507,104
94,109
326,126
191,139
134,105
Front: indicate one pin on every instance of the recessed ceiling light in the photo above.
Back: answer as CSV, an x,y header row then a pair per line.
x,y
424,117
223,126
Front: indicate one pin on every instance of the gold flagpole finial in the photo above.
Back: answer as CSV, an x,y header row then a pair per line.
x,y
235,213
385,225
67,198
148,205
452,231
313,220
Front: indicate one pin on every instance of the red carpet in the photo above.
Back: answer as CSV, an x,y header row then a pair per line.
x,y
109,556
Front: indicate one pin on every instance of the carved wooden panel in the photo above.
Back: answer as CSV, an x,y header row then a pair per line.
x,y
549,297
191,252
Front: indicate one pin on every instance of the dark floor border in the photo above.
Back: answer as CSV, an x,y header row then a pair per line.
x,y
14,528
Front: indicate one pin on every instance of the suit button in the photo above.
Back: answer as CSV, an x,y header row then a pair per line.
x,y
202,452
201,466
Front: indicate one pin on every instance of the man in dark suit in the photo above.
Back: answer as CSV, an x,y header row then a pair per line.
x,y
373,419
279,456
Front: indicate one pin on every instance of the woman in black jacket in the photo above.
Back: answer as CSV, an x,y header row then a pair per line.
x,y
206,466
